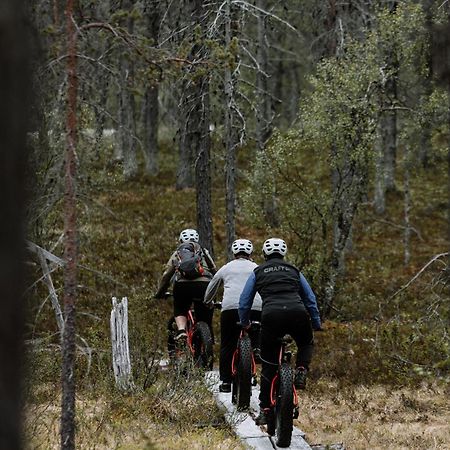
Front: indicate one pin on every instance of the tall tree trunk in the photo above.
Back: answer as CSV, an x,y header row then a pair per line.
x,y
196,137
185,173
389,137
102,12
230,136
330,26
70,242
151,106
264,114
425,137
407,208
127,105
389,120
14,107
201,141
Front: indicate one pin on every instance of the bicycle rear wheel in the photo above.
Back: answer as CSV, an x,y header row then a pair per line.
x,y
203,346
243,377
284,408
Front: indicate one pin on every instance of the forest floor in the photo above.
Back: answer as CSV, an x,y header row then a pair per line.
x,y
360,392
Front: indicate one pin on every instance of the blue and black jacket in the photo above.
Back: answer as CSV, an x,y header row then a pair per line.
x,y
281,286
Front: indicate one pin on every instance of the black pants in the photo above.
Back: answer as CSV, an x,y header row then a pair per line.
x,y
229,335
187,292
275,323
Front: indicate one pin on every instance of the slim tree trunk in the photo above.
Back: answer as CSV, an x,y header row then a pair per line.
x,y
389,134
425,138
127,104
264,109
185,173
102,12
70,242
200,140
330,26
389,120
230,138
380,190
14,107
151,106
407,209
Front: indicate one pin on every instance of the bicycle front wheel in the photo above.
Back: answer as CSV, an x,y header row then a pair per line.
x,y
203,346
284,408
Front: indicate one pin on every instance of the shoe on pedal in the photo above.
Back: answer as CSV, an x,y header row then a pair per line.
x,y
225,387
264,416
300,378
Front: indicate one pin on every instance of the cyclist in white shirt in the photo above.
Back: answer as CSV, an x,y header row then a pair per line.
x,y
233,276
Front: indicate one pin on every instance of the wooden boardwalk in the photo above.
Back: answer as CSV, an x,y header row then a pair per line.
x,y
243,423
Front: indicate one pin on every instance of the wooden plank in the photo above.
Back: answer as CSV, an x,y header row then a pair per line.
x,y
243,423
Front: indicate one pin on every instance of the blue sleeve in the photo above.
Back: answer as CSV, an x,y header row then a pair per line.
x,y
309,300
246,299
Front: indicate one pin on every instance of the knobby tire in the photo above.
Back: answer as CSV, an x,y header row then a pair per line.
x,y
284,406
203,346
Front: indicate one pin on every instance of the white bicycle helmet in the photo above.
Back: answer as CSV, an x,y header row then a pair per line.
x,y
274,245
189,235
242,246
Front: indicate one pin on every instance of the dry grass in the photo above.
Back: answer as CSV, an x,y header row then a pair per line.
x,y
377,417
128,423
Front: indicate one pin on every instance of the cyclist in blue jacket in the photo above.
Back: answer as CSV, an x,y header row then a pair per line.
x,y
287,299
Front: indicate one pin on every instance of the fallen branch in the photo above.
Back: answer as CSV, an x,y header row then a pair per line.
x,y
414,278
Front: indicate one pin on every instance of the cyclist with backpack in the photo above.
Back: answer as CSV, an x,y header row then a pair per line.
x,y
287,299
233,276
191,267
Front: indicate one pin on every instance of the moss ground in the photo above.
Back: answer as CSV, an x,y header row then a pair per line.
x,y
373,344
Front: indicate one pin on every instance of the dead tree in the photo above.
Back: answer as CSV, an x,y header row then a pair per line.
x,y
14,106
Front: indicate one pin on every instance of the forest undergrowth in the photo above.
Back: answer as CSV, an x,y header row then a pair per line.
x,y
379,377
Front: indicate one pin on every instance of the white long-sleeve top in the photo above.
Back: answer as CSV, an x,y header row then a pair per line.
x,y
233,275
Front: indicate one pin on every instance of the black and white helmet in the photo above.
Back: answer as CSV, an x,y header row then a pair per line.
x,y
189,235
274,245
242,246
